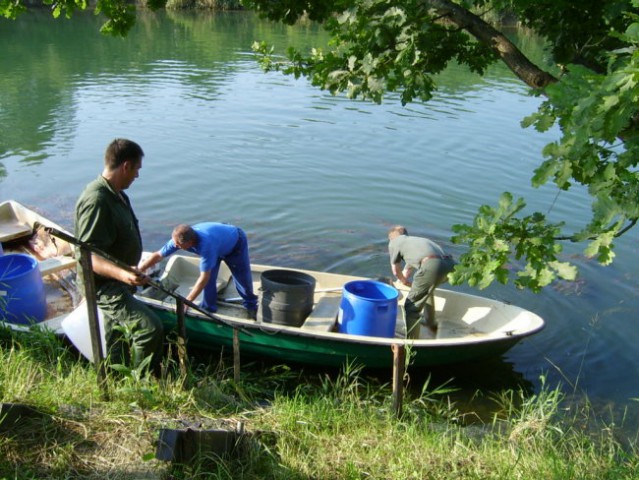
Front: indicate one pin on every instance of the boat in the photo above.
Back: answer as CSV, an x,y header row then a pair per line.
x,y
470,328
22,231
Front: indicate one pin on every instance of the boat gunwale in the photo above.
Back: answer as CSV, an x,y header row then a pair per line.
x,y
228,321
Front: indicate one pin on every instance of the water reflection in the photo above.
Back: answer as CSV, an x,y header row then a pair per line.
x,y
475,386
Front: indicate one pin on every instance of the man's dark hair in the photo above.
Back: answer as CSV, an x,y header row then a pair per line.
x,y
184,234
119,151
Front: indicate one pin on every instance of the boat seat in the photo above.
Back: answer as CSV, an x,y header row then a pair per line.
x,y
55,264
324,315
11,228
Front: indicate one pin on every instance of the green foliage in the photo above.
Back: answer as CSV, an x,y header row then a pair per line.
x,y
120,14
68,7
497,235
382,46
11,9
290,11
599,147
579,32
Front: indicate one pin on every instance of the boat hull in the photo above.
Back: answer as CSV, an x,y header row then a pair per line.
x,y
330,349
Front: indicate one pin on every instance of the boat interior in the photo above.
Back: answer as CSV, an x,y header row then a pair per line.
x,y
55,258
458,315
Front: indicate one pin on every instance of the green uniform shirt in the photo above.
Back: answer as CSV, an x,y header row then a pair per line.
x,y
106,220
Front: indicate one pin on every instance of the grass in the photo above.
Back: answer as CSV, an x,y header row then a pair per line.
x,y
338,426
216,5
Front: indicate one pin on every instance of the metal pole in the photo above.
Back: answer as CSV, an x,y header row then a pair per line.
x,y
94,324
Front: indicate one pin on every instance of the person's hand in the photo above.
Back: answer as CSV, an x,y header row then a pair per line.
x,y
135,278
407,272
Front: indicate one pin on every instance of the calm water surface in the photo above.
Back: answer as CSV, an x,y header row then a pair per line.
x,y
315,180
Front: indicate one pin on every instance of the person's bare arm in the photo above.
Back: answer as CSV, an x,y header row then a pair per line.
x,y
151,260
201,282
397,271
104,267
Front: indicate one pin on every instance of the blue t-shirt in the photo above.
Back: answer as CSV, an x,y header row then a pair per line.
x,y
215,241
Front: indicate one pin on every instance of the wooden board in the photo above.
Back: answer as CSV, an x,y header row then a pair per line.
x,y
11,228
55,264
324,315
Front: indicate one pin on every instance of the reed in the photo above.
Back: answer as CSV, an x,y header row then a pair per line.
x,y
326,426
216,5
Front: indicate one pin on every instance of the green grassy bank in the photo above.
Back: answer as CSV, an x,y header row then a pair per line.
x,y
335,427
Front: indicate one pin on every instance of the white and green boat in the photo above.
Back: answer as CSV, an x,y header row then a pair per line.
x,y
470,327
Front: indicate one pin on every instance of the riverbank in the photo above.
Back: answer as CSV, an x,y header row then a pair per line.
x,y
219,5
333,426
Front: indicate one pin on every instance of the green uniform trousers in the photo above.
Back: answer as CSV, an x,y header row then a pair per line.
x,y
146,333
420,298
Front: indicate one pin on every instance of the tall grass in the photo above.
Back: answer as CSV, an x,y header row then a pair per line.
x,y
339,426
218,5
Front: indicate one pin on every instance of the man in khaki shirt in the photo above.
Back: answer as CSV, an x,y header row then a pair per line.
x,y
430,265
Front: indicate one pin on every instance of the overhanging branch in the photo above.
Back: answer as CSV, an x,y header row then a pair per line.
x,y
518,63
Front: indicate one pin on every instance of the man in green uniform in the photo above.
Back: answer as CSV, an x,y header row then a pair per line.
x,y
430,265
104,219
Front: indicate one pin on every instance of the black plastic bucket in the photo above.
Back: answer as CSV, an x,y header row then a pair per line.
x,y
287,297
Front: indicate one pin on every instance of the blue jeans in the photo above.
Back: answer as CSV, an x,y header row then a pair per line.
x,y
240,265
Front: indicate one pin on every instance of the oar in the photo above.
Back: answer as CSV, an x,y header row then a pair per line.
x,y
71,239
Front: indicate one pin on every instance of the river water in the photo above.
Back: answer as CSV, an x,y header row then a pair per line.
x,y
315,180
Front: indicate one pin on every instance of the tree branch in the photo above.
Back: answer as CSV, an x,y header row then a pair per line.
x,y
572,238
514,59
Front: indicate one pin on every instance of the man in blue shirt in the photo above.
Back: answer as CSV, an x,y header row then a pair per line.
x,y
214,243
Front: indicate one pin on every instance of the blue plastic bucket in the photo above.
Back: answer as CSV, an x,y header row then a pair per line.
x,y
368,308
22,296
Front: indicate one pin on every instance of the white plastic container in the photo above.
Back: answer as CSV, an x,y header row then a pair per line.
x,y
76,328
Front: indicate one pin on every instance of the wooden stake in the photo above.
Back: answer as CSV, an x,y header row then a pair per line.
x,y
399,358
236,356
94,325
181,332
